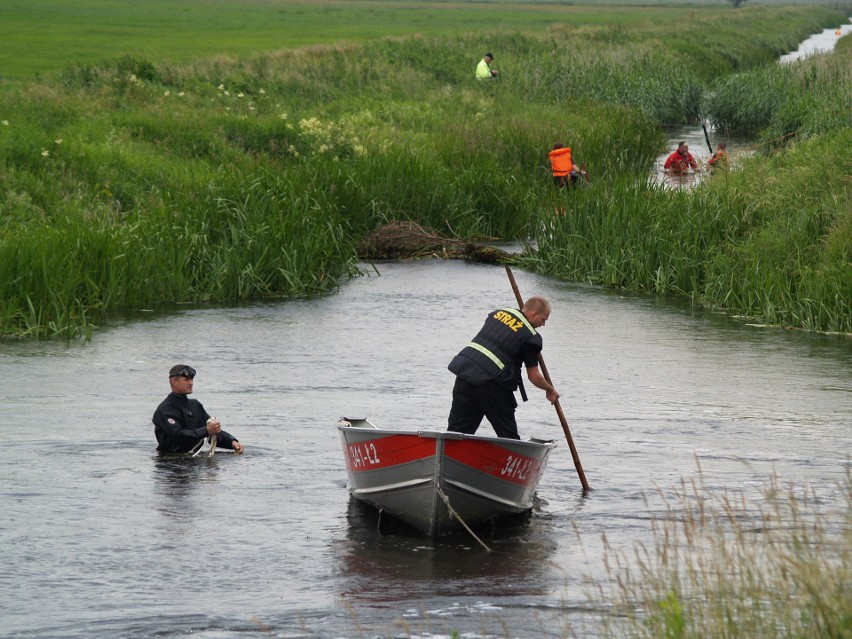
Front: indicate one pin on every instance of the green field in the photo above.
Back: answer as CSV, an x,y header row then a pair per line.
x,y
137,176
45,35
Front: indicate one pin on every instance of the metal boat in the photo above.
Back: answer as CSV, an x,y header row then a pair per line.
x,y
438,481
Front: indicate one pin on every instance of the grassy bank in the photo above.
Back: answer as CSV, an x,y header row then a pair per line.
x,y
771,240
728,566
137,183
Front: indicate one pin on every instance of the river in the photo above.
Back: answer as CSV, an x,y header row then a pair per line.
x,y
700,144
103,539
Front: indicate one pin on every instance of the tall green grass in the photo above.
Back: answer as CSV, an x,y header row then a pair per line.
x,y
244,236
790,262
725,566
777,102
132,184
770,240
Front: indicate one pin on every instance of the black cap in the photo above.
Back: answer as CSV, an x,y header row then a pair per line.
x,y
182,370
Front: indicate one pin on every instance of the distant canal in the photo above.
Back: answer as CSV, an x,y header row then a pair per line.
x,y
694,136
102,539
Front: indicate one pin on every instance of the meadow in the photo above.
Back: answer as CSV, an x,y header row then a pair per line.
x,y
41,37
146,181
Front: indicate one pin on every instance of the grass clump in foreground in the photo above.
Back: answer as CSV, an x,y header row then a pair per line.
x,y
727,567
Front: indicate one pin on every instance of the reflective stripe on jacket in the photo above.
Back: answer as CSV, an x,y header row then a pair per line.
x,y
496,353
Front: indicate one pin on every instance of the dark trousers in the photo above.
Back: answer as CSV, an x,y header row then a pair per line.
x,y
563,181
492,401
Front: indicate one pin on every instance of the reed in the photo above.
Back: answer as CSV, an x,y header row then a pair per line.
x,y
788,260
132,183
772,241
779,102
632,234
769,241
724,565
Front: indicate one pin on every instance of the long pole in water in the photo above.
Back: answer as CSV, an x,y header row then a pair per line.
x,y
707,137
562,420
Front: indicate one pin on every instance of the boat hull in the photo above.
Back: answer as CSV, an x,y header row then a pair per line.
x,y
435,480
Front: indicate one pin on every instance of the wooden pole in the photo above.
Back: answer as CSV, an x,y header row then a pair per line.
x,y
562,420
707,137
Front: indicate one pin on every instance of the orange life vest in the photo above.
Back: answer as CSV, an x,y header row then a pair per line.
x,y
560,161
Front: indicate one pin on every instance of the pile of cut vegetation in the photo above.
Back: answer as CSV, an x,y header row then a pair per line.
x,y
404,239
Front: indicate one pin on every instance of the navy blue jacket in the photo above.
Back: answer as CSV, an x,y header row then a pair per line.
x,y
506,340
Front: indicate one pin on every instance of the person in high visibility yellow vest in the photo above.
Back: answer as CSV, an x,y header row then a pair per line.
x,y
484,70
488,369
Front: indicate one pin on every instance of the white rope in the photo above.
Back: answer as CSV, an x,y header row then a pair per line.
x,y
196,450
453,513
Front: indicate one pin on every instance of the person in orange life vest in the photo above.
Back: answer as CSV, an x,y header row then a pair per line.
x,y
565,172
679,162
488,369
720,159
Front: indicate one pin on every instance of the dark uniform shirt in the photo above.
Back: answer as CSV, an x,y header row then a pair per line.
x,y
180,423
506,340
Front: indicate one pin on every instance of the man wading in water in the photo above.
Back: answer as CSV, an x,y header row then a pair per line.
x,y
679,162
181,424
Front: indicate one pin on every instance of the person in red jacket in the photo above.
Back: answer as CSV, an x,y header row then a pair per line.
x,y
679,162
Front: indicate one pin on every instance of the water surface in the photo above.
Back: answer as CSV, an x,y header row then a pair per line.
x,y
103,539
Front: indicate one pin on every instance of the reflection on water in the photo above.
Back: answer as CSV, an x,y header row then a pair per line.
x,y
177,477
383,560
383,563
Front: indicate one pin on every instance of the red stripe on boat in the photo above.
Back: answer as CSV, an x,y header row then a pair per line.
x,y
384,452
495,460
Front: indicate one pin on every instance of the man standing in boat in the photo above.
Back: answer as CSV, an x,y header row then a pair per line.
x,y
488,370
181,423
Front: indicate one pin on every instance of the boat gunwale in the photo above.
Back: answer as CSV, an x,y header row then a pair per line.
x,y
448,435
